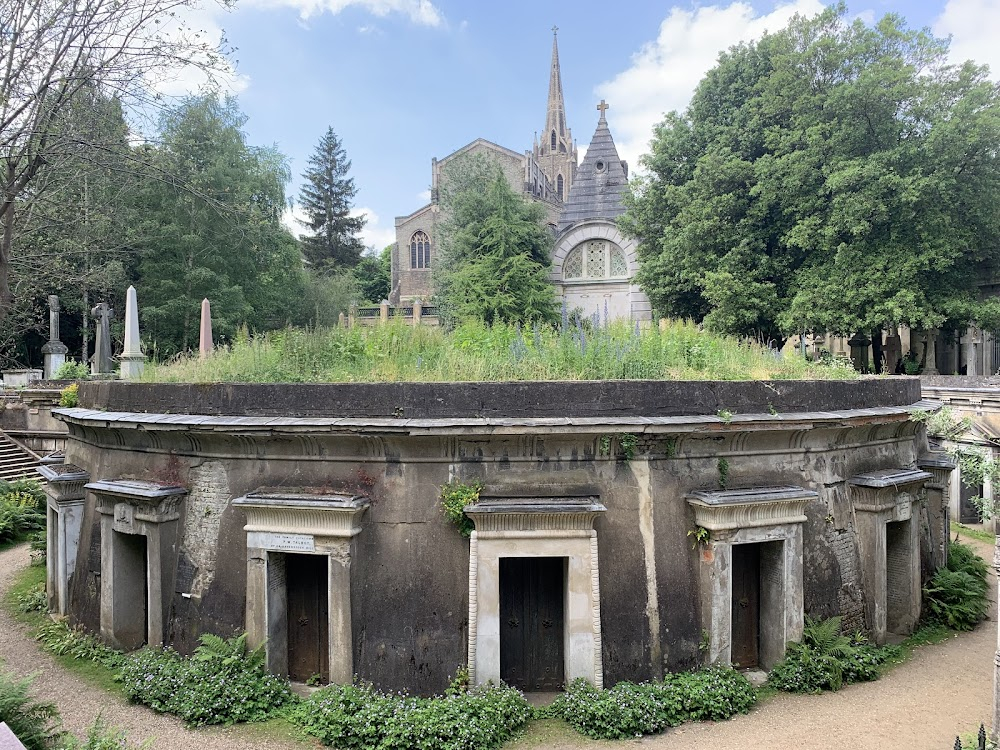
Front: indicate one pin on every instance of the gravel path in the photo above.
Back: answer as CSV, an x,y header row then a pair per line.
x,y
941,691
80,702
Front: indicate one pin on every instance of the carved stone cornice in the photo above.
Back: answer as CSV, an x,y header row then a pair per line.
x,y
546,514
939,465
730,510
318,514
147,501
64,483
883,490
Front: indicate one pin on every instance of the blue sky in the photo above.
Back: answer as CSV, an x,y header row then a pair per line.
x,y
401,81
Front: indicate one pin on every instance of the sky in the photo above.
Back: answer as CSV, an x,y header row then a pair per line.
x,y
402,81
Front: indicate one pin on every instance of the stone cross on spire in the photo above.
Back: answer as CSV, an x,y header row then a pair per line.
x,y
555,30
603,107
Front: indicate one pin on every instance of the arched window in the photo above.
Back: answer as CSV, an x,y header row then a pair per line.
x,y
559,186
420,250
553,140
595,259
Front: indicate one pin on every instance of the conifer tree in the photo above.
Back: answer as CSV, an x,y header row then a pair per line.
x,y
326,200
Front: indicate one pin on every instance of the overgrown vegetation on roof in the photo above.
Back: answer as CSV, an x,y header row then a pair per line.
x,y
581,350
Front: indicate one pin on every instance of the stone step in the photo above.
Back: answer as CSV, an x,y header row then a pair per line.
x,y
16,462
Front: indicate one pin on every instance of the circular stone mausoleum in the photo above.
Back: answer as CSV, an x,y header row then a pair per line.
x,y
623,529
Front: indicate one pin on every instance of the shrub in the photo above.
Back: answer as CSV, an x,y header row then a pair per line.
x,y
72,370
359,716
825,659
630,710
58,638
454,497
35,724
220,684
957,595
22,505
69,397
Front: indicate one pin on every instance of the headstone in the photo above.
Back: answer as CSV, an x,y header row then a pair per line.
x,y
205,344
930,352
859,351
8,741
893,351
101,363
55,350
132,359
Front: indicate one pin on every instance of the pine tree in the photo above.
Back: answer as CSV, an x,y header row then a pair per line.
x,y
326,200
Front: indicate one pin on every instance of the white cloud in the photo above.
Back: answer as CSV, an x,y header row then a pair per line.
x,y
665,72
972,26
373,235
424,196
420,12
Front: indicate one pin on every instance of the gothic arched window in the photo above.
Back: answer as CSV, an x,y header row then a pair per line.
x,y
595,259
420,250
559,186
553,140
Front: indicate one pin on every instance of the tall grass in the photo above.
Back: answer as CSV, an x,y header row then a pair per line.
x,y
476,352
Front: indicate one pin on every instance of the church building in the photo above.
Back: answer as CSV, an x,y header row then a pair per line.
x,y
593,263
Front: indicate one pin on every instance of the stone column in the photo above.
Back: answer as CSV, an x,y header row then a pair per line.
x,y
971,367
205,343
930,338
65,500
417,310
133,361
383,311
352,314
893,349
54,350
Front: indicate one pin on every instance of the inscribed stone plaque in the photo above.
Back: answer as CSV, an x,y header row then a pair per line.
x,y
124,518
281,542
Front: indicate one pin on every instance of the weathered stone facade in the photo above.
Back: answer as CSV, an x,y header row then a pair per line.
x,y
606,477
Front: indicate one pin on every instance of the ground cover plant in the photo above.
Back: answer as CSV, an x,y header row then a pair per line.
x,y
957,595
826,659
35,723
221,683
631,710
360,717
585,350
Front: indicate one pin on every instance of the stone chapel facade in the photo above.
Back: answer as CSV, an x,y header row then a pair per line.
x,y
593,264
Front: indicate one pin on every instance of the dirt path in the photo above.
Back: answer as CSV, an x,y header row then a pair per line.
x,y
942,690
79,702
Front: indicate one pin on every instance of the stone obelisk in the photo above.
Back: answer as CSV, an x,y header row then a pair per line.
x,y
205,345
55,350
132,359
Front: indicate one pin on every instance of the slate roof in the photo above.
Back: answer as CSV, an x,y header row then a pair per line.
x,y
596,193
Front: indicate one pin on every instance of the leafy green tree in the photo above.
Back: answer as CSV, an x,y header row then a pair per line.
x,y
374,275
495,252
326,197
214,229
831,176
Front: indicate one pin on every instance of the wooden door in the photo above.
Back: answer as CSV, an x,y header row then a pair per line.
x,y
532,622
308,617
746,605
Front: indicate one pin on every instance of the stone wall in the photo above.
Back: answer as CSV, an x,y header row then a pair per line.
x,y
399,443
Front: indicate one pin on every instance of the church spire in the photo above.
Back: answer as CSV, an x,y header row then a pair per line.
x,y
555,116
556,153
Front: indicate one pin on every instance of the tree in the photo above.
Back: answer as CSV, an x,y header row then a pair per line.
x,y
216,232
374,275
52,49
495,251
831,177
325,198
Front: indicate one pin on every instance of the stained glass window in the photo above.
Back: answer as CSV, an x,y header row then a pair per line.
x,y
420,251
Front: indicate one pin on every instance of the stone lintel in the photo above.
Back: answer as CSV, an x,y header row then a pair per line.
x,y
535,514
937,460
880,491
727,510
136,491
151,501
883,478
315,514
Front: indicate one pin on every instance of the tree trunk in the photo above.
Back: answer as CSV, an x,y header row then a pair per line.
x,y
878,354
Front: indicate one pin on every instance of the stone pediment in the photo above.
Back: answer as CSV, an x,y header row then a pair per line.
x,y
300,511
723,510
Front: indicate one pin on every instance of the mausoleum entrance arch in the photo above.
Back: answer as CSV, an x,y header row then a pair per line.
x,y
751,571
299,580
534,593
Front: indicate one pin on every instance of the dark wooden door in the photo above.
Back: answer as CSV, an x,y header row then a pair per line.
x,y
968,512
531,622
308,620
746,605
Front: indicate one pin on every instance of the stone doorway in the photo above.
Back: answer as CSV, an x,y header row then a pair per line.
x,y
532,630
968,511
308,616
746,605
131,596
899,579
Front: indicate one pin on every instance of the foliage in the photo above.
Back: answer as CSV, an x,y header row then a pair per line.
x,y
494,259
69,397
832,176
22,509
476,352
723,467
102,737
219,236
699,535
32,600
57,637
34,723
72,370
359,716
220,684
631,710
957,595
374,275
825,659
454,497
628,443
325,198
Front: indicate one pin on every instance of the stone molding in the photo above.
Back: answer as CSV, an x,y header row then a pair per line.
x,y
730,510
939,465
147,501
319,515
64,483
500,517
887,490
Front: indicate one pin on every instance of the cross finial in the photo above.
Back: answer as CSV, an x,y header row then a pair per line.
x,y
602,107
555,30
